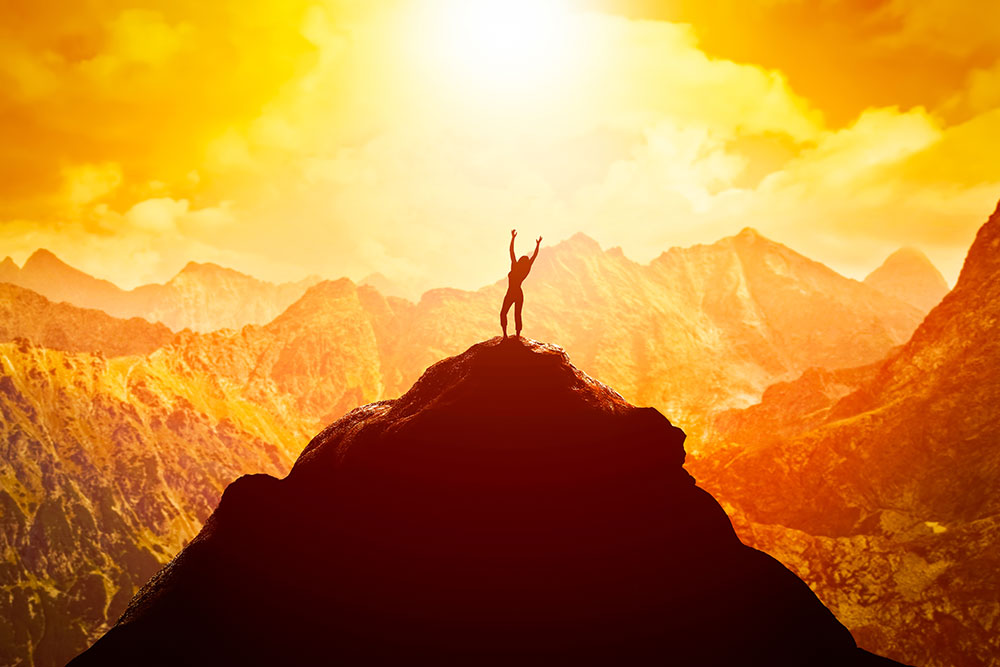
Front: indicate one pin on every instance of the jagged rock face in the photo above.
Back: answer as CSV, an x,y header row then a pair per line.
x,y
908,462
506,509
909,276
787,409
321,354
108,467
914,591
202,297
59,326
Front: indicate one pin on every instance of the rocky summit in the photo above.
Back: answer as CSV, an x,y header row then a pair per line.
x,y
506,509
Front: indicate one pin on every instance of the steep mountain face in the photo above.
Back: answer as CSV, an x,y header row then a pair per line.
x,y
202,297
415,530
25,314
909,276
907,465
108,467
321,354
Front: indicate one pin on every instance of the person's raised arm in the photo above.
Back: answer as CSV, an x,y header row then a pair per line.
x,y
513,259
538,242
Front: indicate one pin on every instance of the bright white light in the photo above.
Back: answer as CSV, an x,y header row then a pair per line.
x,y
501,43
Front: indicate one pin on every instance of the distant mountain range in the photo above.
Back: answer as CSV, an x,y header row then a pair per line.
x,y
890,472
202,297
123,431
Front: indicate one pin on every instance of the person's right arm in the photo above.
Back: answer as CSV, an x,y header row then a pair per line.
x,y
513,259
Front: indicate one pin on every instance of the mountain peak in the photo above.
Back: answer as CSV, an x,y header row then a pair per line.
x,y
319,302
198,267
908,275
44,258
582,242
209,270
8,270
416,530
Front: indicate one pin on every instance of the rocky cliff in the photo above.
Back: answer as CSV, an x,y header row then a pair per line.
x,y
507,508
903,467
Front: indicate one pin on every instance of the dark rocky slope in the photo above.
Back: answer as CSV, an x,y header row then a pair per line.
x,y
507,508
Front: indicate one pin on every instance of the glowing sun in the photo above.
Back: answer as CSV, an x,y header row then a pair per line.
x,y
501,43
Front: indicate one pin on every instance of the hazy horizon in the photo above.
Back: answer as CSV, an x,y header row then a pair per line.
x,y
21,258
406,137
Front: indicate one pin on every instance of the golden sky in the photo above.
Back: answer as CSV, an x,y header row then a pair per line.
x,y
342,137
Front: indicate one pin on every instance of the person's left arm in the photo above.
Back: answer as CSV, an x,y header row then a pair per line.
x,y
538,242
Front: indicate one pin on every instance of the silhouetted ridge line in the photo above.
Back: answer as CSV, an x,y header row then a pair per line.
x,y
507,509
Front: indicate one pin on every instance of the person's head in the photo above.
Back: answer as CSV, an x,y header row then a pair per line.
x,y
523,261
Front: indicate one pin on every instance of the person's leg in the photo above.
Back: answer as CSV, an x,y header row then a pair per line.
x,y
508,299
518,303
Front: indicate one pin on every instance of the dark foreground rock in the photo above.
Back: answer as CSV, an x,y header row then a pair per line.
x,y
506,510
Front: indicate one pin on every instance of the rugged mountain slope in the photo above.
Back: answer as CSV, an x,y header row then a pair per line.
x,y
193,413
321,353
908,465
202,297
415,530
25,314
107,467
909,276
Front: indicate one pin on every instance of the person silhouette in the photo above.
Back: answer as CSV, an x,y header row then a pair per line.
x,y
519,270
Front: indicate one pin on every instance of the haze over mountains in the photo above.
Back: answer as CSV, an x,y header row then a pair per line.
x,y
890,472
909,276
202,297
694,332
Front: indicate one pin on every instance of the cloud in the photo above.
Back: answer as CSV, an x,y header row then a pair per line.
x,y
294,138
88,182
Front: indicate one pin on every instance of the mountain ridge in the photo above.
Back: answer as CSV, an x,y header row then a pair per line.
x,y
201,296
